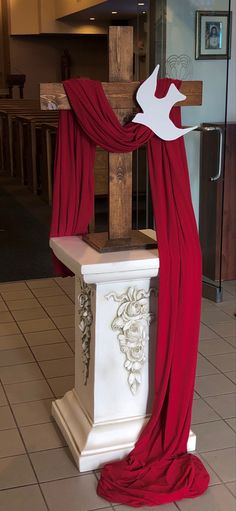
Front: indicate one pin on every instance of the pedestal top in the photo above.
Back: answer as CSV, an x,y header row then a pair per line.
x,y
82,259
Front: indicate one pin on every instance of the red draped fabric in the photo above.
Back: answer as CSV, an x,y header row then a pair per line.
x,y
159,469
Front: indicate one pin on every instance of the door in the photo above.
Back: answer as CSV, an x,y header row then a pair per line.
x,y
191,40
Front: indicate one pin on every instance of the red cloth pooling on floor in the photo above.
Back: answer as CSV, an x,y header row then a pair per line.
x,y
159,469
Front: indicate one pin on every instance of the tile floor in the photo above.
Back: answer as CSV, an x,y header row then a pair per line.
x,y
37,472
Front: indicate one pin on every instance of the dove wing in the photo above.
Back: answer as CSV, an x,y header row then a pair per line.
x,y
146,91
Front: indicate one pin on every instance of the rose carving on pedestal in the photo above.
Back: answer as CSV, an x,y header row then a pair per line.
x,y
132,321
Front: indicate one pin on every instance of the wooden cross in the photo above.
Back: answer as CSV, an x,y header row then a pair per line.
x,y
120,91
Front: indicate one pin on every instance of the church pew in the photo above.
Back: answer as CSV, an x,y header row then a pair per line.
x,y
8,111
29,140
4,93
6,118
48,133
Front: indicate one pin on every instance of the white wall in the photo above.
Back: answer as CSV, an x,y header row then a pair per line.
x,y
181,40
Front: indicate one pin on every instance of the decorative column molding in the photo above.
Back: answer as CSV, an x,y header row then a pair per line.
x,y
85,322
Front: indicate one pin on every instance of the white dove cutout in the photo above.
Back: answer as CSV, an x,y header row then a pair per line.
x,y
156,111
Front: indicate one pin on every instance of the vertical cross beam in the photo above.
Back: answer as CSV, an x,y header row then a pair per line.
x,y
120,165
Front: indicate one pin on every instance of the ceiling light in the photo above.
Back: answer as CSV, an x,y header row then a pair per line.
x,y
140,3
144,12
92,19
114,12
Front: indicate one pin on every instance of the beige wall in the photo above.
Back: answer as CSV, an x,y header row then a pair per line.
x,y
28,17
67,7
38,57
24,16
50,25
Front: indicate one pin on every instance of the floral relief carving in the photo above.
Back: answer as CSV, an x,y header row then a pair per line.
x,y
132,322
85,323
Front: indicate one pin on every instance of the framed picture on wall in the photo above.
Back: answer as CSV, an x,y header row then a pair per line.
x,y
213,35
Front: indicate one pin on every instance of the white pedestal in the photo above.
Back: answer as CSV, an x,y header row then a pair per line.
x,y
115,325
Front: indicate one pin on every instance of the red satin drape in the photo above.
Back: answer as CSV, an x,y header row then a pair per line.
x,y
159,469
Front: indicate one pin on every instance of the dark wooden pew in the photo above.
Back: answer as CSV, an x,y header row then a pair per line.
x,y
9,108
29,128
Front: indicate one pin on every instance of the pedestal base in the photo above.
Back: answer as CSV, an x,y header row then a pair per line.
x,y
93,445
101,242
115,344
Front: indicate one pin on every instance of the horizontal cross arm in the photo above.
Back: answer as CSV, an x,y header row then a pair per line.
x,y
119,95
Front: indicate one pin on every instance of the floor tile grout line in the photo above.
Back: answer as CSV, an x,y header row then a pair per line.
x,y
20,486
22,381
226,373
61,376
213,470
26,425
43,308
210,406
204,422
227,290
82,474
32,361
216,450
229,342
34,345
212,339
219,354
214,331
51,295
32,400
39,379
109,506
26,451
56,327
39,368
214,395
222,353
230,316
225,420
42,451
224,340
216,374
40,306
225,484
10,312
65,290
218,369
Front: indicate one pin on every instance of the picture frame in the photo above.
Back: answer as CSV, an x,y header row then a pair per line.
x,y
213,35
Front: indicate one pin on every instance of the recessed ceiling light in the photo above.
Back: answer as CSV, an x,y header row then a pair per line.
x,y
140,3
114,12
144,12
92,19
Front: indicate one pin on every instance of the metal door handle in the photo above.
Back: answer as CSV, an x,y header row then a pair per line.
x,y
220,159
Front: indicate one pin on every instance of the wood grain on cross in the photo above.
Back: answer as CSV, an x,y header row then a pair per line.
x,y
120,92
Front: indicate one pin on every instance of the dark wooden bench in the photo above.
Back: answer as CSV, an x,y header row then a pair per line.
x,y
8,110
29,127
